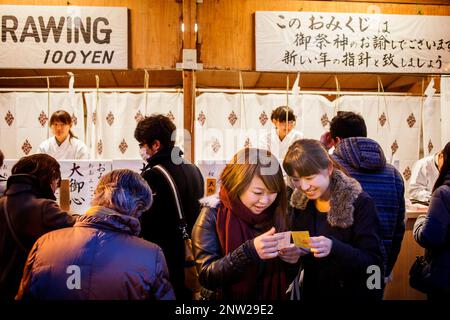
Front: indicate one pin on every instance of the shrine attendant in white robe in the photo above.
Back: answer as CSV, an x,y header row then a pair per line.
x,y
64,144
283,135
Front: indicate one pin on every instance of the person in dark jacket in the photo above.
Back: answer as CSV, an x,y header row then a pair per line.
x,y
432,232
31,211
2,179
101,257
364,160
342,222
234,239
160,224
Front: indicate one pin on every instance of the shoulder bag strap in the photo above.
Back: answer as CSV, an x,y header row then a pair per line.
x,y
8,222
176,196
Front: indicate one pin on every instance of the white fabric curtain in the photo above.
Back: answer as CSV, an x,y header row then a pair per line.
x,y
112,119
445,110
226,123
25,116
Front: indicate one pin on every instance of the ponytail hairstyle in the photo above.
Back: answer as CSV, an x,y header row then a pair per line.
x,y
63,117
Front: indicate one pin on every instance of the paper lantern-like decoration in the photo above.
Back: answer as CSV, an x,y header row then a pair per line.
x,y
138,117
201,118
9,118
74,119
123,146
382,119
100,146
42,118
26,147
232,118
324,120
407,173
394,147
248,143
110,118
263,118
411,120
430,146
215,145
171,116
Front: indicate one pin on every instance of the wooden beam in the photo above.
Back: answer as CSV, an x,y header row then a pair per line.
x,y
189,42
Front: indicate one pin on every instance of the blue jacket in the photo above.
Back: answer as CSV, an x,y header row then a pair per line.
x,y
364,160
432,231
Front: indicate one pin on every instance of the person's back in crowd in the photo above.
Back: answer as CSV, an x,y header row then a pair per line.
x,y
160,224
101,257
2,179
31,211
432,232
363,158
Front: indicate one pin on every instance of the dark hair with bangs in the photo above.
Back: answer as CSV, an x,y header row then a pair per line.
x,y
248,163
63,117
306,157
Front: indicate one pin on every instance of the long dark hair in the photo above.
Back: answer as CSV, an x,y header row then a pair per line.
x,y
63,117
248,163
445,167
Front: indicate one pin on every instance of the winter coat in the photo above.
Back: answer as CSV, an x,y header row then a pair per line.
x,y
100,258
364,160
31,215
353,226
216,270
432,231
160,223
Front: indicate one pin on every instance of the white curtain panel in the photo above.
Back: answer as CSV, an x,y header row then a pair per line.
x,y
25,119
431,125
445,110
226,123
112,119
392,121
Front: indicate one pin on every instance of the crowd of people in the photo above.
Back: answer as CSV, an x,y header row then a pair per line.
x,y
129,244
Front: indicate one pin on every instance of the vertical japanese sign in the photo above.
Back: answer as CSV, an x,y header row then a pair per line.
x,y
341,42
83,176
52,37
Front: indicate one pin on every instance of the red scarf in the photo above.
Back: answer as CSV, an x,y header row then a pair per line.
x,y
235,225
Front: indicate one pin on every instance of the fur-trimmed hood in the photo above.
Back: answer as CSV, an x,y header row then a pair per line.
x,y
344,191
210,201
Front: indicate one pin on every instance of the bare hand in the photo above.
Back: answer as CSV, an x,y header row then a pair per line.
x,y
291,254
320,246
266,244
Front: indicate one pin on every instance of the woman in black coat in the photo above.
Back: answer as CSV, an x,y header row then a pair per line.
x,y
31,211
345,256
432,231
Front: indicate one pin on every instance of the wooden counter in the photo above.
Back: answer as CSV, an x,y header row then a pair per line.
x,y
399,288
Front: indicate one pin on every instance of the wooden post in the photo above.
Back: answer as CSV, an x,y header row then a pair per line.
x,y
64,195
189,42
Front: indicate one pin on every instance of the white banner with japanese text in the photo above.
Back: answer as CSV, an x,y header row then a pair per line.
x,y
351,42
61,37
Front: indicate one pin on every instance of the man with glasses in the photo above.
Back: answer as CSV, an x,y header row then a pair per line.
x,y
160,224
